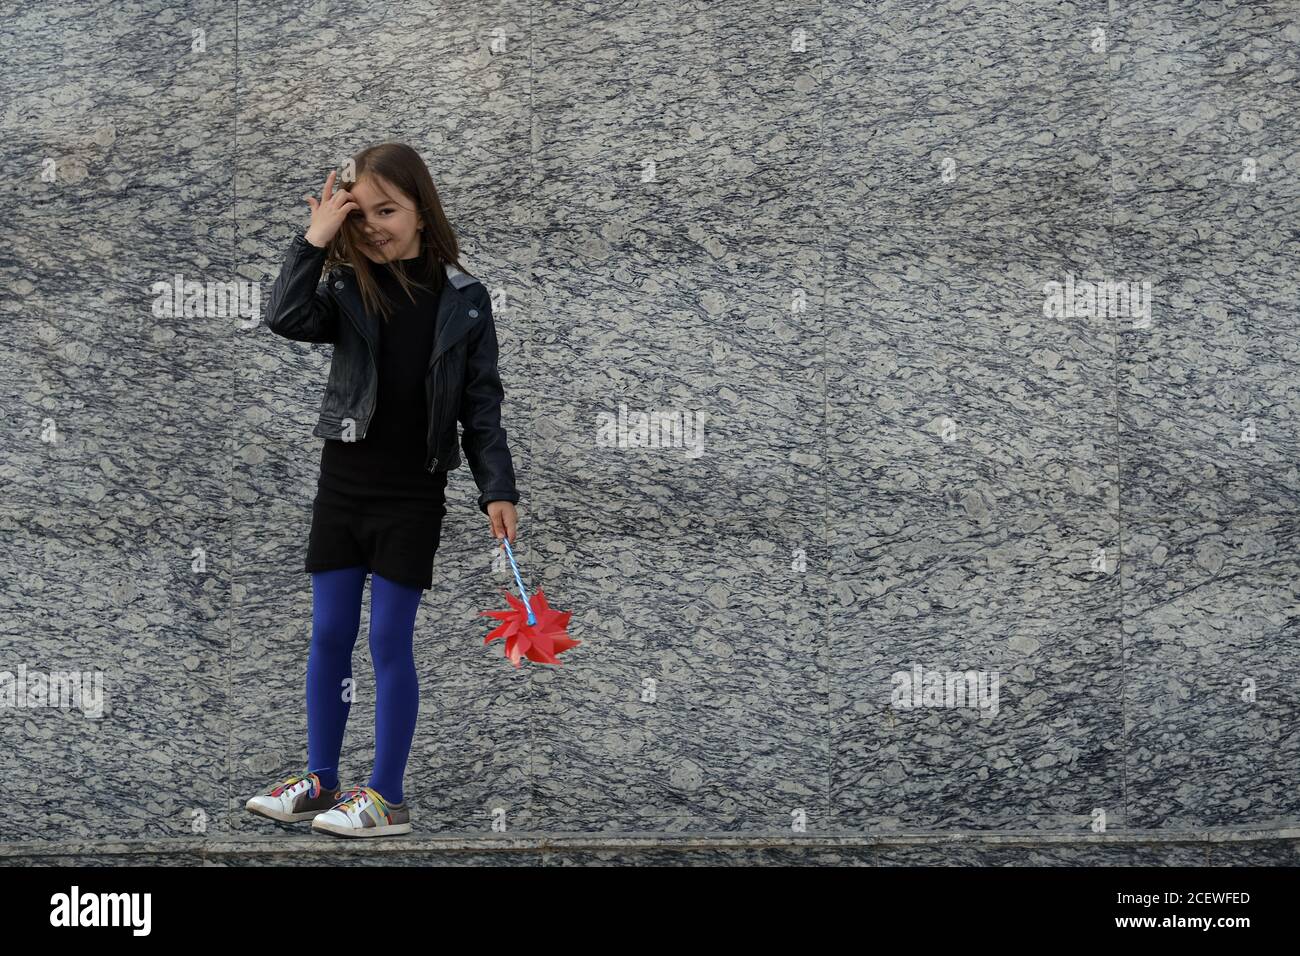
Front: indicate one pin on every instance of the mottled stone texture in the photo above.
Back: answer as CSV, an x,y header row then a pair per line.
x,y
825,229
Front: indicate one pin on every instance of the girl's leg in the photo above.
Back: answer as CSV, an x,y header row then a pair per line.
x,y
335,622
397,690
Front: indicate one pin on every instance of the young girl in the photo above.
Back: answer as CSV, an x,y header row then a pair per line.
x,y
415,350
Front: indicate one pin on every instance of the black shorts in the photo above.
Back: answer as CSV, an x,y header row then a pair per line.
x,y
395,537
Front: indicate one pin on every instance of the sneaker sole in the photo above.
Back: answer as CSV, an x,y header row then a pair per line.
x,y
392,829
281,817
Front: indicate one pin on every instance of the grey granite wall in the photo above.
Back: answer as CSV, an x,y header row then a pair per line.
x,y
823,237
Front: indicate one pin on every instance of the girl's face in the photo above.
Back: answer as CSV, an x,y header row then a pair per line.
x,y
389,227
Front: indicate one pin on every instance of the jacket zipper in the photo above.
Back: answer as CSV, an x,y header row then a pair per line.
x,y
433,429
442,416
374,365
439,411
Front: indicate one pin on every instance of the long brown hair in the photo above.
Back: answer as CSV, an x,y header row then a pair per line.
x,y
400,167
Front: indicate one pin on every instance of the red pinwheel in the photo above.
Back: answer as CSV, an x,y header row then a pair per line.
x,y
532,629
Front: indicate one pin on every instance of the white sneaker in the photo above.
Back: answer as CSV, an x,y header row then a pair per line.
x,y
301,797
362,812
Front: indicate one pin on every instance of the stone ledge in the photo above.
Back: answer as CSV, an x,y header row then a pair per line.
x,y
282,843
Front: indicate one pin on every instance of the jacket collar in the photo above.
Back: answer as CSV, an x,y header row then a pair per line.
x,y
456,313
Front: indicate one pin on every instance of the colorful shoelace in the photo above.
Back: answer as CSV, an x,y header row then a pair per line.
x,y
296,779
355,796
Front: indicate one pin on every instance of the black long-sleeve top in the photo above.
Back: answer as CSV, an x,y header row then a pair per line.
x,y
389,461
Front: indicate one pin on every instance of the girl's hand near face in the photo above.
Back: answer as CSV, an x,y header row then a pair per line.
x,y
328,213
504,519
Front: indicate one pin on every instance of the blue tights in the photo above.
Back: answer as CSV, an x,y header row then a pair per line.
x,y
336,621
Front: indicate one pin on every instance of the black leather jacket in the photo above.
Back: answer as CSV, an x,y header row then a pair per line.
x,y
462,382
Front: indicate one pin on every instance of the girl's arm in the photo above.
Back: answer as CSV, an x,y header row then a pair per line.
x,y
299,307
483,438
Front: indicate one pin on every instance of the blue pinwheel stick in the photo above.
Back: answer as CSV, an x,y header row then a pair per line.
x,y
532,618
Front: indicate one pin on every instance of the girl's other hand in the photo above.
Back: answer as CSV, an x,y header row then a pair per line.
x,y
328,213
504,519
